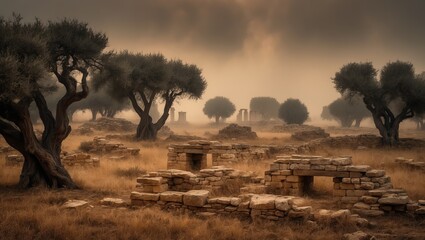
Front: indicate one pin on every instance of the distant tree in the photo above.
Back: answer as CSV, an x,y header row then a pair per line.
x,y
293,111
69,50
219,107
397,83
268,107
147,78
100,102
349,111
326,114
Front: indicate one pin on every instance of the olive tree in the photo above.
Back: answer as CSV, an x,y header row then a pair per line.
x,y
268,107
29,53
219,107
349,111
397,84
293,111
147,78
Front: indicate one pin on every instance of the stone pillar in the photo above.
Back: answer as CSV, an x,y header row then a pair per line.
x,y
182,117
239,116
172,112
245,115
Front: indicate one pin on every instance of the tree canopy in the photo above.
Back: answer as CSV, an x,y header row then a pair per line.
x,y
397,83
219,107
149,77
34,57
268,107
293,111
349,110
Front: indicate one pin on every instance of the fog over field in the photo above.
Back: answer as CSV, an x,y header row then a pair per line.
x,y
247,48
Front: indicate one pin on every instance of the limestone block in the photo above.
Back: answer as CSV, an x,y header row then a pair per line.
x,y
342,161
321,161
375,173
299,166
359,168
196,198
151,180
370,213
393,200
262,202
144,196
171,196
330,168
369,199
283,203
361,205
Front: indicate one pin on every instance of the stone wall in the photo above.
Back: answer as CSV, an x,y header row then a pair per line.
x,y
212,179
199,202
193,155
76,159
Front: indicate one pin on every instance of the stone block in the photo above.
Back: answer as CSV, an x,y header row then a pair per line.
x,y
342,161
394,200
359,168
361,205
299,172
196,198
262,202
171,196
144,196
283,203
375,173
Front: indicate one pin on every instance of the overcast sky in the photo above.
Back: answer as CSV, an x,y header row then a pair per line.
x,y
248,48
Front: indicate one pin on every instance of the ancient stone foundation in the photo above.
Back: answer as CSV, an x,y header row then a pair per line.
x,y
101,145
193,155
212,179
76,159
199,202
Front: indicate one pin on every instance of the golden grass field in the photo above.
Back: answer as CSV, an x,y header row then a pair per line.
x,y
37,213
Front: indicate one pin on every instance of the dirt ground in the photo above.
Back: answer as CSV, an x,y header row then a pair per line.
x,y
38,213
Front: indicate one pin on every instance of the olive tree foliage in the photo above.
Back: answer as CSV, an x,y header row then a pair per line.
x,y
397,83
219,107
100,102
268,107
33,58
348,111
293,111
146,78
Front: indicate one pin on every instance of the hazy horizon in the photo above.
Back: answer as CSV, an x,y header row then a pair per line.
x,y
251,48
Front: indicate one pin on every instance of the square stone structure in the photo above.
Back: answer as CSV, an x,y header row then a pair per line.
x,y
192,156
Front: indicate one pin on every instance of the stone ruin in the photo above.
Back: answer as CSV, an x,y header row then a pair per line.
x,y
410,164
234,131
74,159
192,156
108,125
291,128
101,145
307,135
366,191
212,179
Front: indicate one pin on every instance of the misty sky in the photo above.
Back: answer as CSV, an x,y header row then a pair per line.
x,y
248,48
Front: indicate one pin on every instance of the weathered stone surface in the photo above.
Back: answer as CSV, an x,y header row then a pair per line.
x,y
150,180
74,204
375,173
361,205
359,235
283,203
144,196
116,202
171,196
262,202
358,168
369,199
394,200
196,198
301,172
369,213
420,211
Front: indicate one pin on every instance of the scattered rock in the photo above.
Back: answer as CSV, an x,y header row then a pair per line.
x,y
74,204
114,202
359,235
234,131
